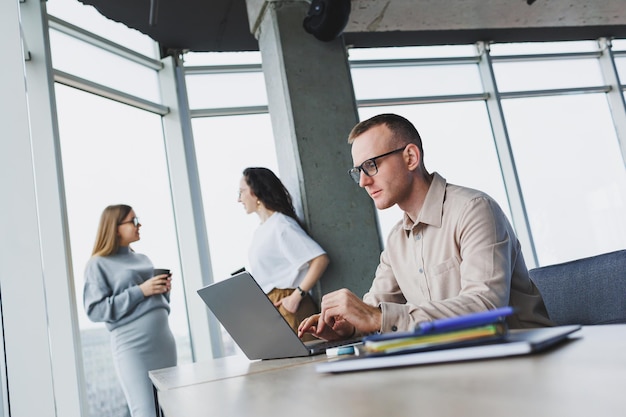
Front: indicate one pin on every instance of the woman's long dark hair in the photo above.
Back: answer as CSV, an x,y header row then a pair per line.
x,y
270,191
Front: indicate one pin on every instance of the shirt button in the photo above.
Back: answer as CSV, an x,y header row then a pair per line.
x,y
421,271
394,328
418,236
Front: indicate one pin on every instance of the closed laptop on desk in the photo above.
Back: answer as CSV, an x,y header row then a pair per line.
x,y
253,322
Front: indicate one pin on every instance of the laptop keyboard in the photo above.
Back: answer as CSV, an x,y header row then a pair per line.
x,y
320,347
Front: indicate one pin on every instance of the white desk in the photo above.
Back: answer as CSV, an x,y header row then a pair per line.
x,y
586,376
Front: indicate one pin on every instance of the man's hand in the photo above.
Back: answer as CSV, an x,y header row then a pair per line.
x,y
342,314
310,325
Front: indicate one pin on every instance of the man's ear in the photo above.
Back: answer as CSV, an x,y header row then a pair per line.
x,y
413,156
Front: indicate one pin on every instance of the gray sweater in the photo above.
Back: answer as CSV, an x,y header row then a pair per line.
x,y
111,293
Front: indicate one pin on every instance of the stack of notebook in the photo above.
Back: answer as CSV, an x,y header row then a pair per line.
x,y
471,329
474,336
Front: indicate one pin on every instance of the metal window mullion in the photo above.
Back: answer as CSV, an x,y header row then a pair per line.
x,y
555,92
228,111
27,333
223,69
102,43
616,54
63,329
412,62
191,230
546,57
403,101
615,96
505,156
107,92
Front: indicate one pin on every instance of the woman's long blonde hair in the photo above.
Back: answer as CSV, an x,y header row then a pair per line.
x,y
107,240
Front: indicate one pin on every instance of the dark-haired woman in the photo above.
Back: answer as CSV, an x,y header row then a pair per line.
x,y
122,291
283,258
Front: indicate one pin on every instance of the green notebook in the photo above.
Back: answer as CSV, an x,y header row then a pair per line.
x,y
454,338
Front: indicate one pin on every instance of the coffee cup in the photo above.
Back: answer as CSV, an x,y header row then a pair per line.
x,y
161,271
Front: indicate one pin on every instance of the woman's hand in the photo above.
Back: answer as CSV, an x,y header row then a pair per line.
x,y
159,284
291,302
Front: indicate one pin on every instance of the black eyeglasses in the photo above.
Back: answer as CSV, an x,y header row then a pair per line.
x,y
134,221
369,167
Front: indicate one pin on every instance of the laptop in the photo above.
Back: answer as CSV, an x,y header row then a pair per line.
x,y
254,323
515,343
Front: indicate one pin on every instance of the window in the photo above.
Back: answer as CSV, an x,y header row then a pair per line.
x,y
105,163
112,153
225,146
572,174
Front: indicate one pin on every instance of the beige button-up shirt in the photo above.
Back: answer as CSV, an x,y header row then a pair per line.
x,y
460,256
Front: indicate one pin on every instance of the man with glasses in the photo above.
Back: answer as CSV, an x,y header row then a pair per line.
x,y
453,253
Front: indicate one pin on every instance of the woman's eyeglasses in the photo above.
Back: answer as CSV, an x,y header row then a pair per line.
x,y
134,221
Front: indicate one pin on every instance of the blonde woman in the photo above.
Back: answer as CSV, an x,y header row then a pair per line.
x,y
122,291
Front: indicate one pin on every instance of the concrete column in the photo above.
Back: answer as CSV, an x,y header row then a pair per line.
x,y
312,108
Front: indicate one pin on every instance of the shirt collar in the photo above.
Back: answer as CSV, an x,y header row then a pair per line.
x,y
432,210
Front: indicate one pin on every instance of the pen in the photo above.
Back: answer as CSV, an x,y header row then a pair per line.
x,y
460,322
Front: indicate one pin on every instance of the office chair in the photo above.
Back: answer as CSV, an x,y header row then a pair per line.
x,y
585,291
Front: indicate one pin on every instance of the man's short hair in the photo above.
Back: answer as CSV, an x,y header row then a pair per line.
x,y
404,132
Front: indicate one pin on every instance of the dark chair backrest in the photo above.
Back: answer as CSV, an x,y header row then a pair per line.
x,y
585,291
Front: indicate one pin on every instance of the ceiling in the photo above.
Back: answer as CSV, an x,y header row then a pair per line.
x,y
222,25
